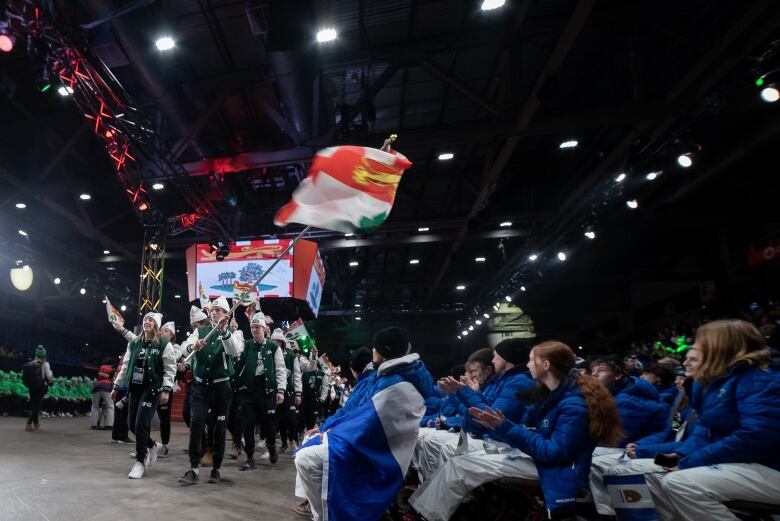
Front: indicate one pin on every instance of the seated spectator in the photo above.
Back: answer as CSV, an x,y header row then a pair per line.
x,y
641,413
439,413
662,378
500,393
570,413
633,365
368,448
732,453
680,425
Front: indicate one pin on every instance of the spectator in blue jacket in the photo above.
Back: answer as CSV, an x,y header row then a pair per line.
x,y
732,453
438,410
641,413
638,457
569,415
500,393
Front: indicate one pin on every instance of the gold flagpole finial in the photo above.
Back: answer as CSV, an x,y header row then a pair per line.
x,y
388,142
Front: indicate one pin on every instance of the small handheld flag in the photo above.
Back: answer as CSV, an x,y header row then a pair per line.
x,y
114,316
205,303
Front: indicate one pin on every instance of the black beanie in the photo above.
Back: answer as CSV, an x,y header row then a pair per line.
x,y
391,342
360,359
515,350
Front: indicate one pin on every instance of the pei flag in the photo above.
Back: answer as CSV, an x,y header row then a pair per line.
x,y
370,446
239,288
114,316
205,303
348,189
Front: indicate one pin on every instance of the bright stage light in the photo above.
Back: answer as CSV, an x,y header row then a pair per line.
x,y
165,43
561,256
770,94
685,160
327,35
489,5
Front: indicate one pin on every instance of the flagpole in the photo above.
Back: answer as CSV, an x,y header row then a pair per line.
x,y
250,289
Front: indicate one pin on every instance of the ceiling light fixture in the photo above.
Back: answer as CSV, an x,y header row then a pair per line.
x,y
423,229
685,160
414,261
505,224
590,234
460,287
353,263
770,94
533,257
21,206
64,91
327,34
620,178
357,305
106,252
561,256
83,291
158,186
85,197
57,280
522,288
479,259
23,233
177,296
485,315
652,176
478,322
464,333
508,298
633,204
165,43
489,5
572,143
123,307
358,318
446,156
348,234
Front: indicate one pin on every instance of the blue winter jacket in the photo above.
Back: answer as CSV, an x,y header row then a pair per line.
x,y
666,441
739,420
499,393
556,434
641,414
362,385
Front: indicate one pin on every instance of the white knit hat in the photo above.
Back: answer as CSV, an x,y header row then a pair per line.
x,y
196,315
170,326
157,317
278,335
221,302
259,319
292,345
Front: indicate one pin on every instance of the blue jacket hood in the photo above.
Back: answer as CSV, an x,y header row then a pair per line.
x,y
411,369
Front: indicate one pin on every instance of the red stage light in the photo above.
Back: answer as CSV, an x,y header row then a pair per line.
x,y
6,42
143,207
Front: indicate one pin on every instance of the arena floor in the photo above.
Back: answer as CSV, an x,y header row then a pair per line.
x,y
67,472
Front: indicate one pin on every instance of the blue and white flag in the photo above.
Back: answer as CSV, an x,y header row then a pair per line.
x,y
370,447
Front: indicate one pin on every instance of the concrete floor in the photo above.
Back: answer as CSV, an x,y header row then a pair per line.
x,y
67,472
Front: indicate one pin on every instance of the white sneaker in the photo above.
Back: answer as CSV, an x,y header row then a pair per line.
x,y
132,455
152,455
265,456
137,471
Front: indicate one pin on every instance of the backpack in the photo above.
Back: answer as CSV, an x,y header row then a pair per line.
x,y
32,375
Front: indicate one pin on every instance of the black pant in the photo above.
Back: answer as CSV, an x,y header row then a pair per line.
x,y
309,410
254,408
142,405
216,397
164,413
234,425
36,395
119,430
288,419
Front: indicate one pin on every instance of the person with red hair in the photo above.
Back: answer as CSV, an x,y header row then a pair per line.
x,y
569,415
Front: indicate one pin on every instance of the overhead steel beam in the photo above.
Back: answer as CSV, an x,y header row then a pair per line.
x,y
489,182
248,161
423,238
439,72
192,133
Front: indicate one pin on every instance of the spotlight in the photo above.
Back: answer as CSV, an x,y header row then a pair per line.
x,y
464,333
522,288
106,252
478,322
57,281
572,143
770,94
561,256
489,5
460,287
633,204
83,291
495,307
423,229
123,307
327,35
460,337
505,224
353,263
533,257
21,206
508,298
357,305
23,233
446,156
158,186
358,318
414,261
485,315
479,259
620,178
348,234
85,197
652,176
177,296
165,43
685,160
64,91
471,328
590,234
7,40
